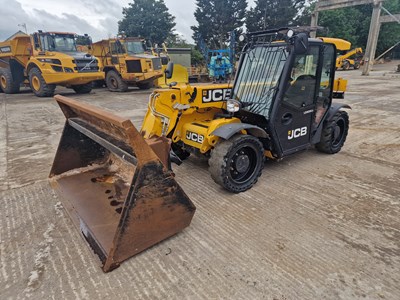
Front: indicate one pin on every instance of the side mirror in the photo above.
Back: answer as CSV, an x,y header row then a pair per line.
x,y
301,43
169,70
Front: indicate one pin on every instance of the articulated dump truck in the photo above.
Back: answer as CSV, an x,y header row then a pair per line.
x,y
44,60
125,63
117,187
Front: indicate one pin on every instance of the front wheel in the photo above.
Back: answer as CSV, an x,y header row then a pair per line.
x,y
236,164
82,88
38,85
115,83
334,133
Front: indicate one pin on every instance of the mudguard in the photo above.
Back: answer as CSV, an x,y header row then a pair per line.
x,y
228,130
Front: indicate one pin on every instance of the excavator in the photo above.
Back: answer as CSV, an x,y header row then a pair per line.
x,y
117,183
344,60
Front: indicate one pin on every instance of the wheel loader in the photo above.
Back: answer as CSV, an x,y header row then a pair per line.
x,y
280,103
45,60
125,63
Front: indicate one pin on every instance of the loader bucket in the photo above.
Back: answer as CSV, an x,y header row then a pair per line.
x,y
116,185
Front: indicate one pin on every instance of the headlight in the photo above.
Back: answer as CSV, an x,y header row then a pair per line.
x,y
232,106
49,60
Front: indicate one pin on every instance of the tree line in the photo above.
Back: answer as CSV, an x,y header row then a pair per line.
x,y
152,20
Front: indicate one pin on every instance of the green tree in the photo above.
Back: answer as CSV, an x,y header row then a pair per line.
x,y
149,19
267,14
352,24
216,18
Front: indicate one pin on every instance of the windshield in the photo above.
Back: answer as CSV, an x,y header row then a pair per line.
x,y
58,42
134,47
258,77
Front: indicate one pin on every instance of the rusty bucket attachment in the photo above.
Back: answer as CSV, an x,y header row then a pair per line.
x,y
117,190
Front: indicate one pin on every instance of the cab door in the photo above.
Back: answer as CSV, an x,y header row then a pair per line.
x,y
296,109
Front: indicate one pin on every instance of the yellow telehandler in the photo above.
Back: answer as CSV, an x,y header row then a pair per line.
x,y
45,60
280,103
344,60
124,63
117,183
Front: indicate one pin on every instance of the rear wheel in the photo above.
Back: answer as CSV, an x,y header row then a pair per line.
x,y
237,163
7,84
82,88
334,133
145,86
38,85
115,83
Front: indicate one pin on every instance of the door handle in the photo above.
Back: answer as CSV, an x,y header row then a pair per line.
x,y
287,118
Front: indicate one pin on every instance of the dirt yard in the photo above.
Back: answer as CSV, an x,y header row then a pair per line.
x,y
315,226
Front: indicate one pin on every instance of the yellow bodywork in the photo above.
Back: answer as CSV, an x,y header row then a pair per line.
x,y
119,62
342,46
180,75
20,49
176,114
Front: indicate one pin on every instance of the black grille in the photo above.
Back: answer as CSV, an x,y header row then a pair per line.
x,y
134,66
157,63
86,65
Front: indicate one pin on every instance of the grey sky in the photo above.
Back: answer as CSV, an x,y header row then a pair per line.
x,y
98,18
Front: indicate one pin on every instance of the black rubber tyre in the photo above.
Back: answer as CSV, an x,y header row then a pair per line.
x,y
346,65
38,85
82,88
7,84
356,65
145,86
334,133
115,83
237,163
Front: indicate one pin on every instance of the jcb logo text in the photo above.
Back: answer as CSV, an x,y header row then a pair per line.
x,y
216,95
298,132
195,137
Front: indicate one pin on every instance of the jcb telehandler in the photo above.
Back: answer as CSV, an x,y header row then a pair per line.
x,y
280,103
45,60
125,63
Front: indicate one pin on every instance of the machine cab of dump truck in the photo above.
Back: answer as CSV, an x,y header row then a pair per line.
x,y
125,62
280,103
47,59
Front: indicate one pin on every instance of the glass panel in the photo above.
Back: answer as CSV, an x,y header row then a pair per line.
x,y
325,88
301,90
117,48
258,77
134,47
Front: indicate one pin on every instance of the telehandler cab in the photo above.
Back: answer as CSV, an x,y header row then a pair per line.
x,y
280,103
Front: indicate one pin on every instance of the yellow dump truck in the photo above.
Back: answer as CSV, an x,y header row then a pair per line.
x,y
125,63
45,60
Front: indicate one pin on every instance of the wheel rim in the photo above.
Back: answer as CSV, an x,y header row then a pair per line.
x,y
114,83
243,164
3,82
35,83
338,132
